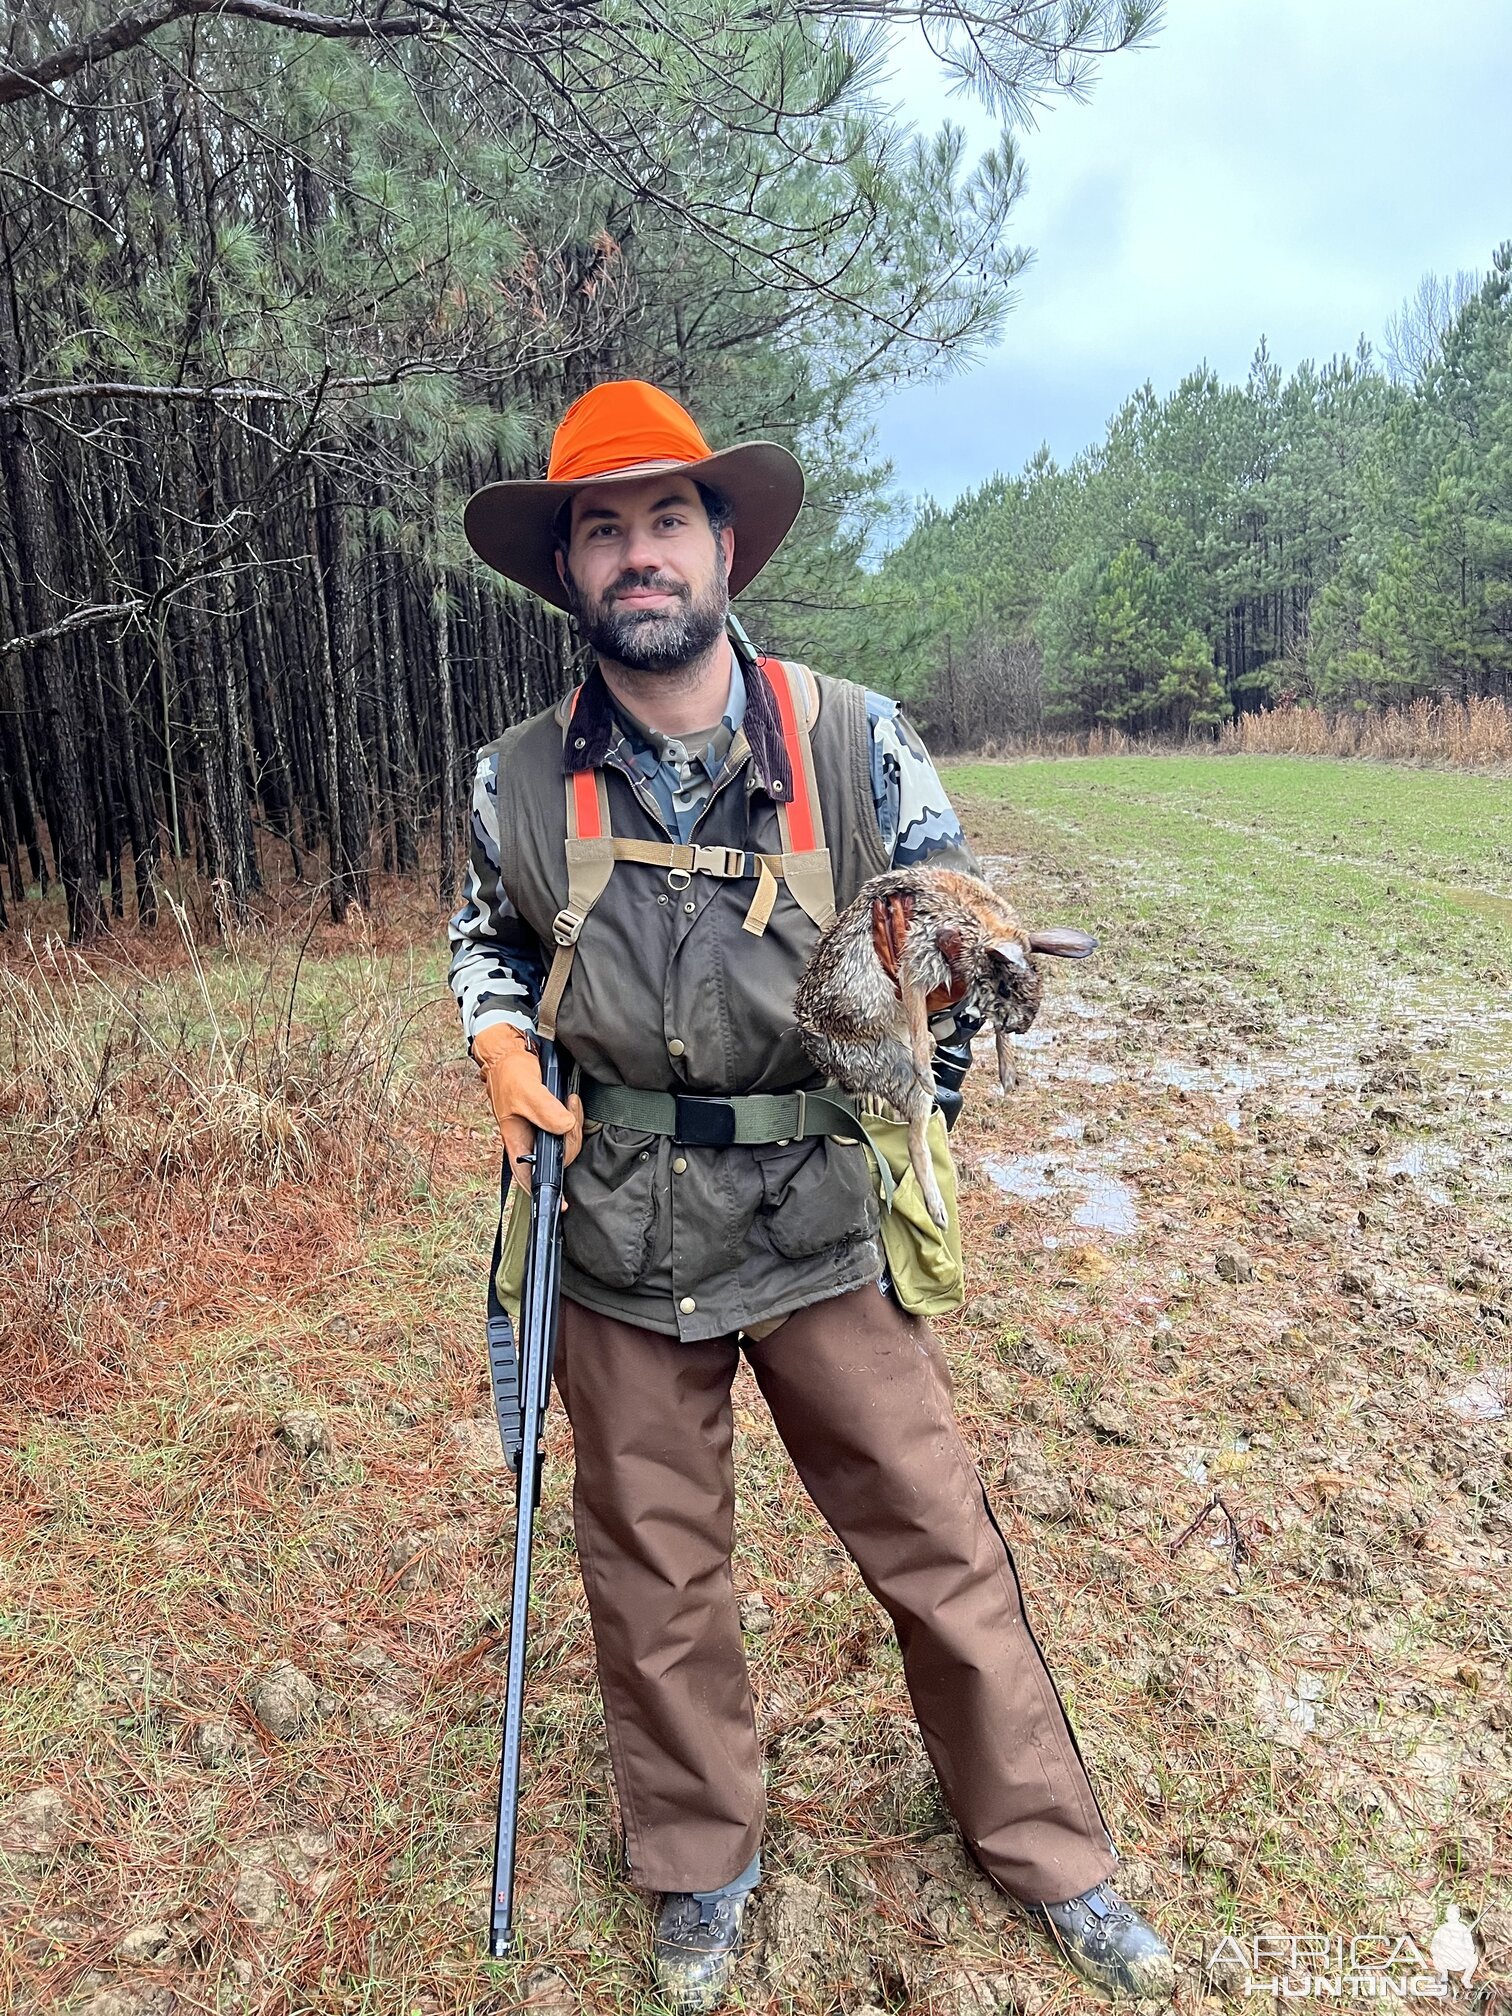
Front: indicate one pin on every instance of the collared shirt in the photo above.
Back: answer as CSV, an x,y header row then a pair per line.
x,y
498,966
682,771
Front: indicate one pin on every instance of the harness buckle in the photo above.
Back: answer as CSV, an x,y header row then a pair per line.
x,y
567,927
703,1122
728,863
679,878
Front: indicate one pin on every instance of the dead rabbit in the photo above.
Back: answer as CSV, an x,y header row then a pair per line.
x,y
914,943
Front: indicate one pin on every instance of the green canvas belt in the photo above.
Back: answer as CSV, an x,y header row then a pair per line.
x,y
751,1119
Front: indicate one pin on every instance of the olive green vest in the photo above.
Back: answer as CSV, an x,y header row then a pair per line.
x,y
670,991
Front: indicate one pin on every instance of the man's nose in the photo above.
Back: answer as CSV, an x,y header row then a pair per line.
x,y
640,555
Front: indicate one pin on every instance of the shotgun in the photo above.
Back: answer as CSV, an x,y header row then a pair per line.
x,y
522,1387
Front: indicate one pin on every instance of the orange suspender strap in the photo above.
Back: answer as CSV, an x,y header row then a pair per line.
x,y
803,822
805,859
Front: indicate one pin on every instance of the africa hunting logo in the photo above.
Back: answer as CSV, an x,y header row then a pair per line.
x,y
1365,1966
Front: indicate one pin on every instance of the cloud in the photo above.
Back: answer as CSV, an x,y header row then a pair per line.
x,y
1277,167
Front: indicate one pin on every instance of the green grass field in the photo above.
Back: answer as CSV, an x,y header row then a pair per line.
x,y
1241,1227
1325,873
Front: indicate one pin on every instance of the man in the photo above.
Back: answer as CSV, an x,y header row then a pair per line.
x,y
673,836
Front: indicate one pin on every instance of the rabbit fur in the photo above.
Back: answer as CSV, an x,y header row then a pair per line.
x,y
913,943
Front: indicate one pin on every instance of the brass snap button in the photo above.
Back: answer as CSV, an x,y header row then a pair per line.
x,y
679,1167
687,1305
676,1047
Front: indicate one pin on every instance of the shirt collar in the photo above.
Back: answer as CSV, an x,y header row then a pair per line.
x,y
596,722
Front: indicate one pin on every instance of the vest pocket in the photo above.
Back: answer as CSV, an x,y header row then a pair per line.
x,y
609,1231
815,1194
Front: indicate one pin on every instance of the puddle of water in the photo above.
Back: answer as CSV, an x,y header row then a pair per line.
x,y
1302,1707
1107,1206
1106,1203
1218,1082
1481,1399
1421,1161
1021,1176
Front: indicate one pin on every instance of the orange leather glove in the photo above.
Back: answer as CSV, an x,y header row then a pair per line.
x,y
512,1073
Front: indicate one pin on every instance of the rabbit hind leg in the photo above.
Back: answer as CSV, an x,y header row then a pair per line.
x,y
919,1109
920,1101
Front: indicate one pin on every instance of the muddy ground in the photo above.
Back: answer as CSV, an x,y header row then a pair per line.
x,y
1235,1366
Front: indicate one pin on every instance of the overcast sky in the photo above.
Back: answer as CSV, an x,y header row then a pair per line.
x,y
1285,167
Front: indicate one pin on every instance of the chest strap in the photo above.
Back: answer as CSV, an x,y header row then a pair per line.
x,y
592,849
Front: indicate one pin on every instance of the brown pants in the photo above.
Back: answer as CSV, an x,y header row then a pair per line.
x,y
861,1397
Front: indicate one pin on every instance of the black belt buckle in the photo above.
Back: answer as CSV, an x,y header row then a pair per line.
x,y
704,1123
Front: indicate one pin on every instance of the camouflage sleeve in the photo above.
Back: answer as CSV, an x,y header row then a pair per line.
x,y
497,969
916,817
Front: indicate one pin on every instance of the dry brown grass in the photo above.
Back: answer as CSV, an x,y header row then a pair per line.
x,y
1464,734
151,1093
1469,734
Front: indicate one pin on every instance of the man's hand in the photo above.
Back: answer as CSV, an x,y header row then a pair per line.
x,y
512,1073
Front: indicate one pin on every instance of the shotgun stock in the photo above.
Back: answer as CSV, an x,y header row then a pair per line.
x,y
521,1372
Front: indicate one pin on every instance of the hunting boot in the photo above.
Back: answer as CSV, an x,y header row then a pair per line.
x,y
1106,1939
697,1938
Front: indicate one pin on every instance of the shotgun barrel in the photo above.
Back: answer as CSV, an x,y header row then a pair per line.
x,y
521,1371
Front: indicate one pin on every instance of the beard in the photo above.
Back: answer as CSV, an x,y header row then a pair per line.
x,y
651,640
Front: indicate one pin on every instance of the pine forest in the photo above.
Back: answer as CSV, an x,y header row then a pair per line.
x,y
282,289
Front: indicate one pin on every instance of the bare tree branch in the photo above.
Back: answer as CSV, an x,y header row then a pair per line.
x,y
235,390
135,27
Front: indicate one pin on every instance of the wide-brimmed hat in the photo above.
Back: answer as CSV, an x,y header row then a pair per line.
x,y
623,432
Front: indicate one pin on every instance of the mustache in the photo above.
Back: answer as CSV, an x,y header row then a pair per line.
x,y
646,577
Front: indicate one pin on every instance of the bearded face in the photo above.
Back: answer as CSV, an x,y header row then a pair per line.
x,y
646,575
646,635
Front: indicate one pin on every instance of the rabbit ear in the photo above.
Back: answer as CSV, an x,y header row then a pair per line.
x,y
1009,952
891,916
1062,942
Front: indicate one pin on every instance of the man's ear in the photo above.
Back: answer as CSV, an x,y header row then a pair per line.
x,y
727,545
561,564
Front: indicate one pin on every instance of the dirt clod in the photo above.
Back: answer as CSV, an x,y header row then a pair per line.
x,y
794,1933
1349,1567
37,1827
218,1743
1232,1264
476,1443
1110,1491
549,1993
284,1700
270,1871
1112,1421
1035,1490
131,2000
146,1942
1040,1358
302,1434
